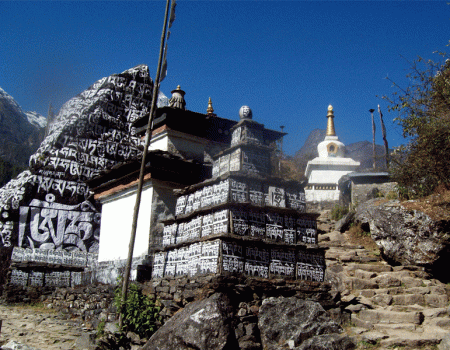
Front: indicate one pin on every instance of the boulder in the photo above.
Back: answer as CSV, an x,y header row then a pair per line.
x,y
13,345
406,236
92,132
343,224
292,322
202,325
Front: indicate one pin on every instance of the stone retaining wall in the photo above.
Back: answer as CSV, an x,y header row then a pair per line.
x,y
92,303
246,293
364,191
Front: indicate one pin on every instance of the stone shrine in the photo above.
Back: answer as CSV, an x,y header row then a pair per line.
x,y
241,220
323,172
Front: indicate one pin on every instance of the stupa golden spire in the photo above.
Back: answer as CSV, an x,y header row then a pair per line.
x,y
210,109
330,122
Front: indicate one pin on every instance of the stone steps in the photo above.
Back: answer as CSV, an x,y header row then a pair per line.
x,y
391,306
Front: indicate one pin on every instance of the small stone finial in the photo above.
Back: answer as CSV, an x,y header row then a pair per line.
x,y
330,122
210,109
177,99
245,112
330,111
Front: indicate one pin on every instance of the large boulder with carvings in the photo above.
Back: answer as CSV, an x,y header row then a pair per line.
x,y
47,213
406,236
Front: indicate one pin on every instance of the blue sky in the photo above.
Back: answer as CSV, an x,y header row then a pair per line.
x,y
287,60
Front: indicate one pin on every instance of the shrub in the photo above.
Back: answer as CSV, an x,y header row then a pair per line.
x,y
338,212
140,314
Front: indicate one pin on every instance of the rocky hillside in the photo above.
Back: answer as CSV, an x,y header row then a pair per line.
x,y
20,132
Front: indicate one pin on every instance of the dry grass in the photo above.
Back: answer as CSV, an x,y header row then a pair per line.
x,y
436,206
357,236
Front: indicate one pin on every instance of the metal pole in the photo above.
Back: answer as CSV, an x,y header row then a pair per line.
x,y
373,132
126,275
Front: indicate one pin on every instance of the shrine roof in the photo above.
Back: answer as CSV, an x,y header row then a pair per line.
x,y
206,126
160,165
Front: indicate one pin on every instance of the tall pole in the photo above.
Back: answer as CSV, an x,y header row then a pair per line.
x,y
373,142
383,132
281,151
126,275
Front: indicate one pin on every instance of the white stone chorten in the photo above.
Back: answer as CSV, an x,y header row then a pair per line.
x,y
324,171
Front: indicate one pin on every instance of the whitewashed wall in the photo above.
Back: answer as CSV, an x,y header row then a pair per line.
x,y
117,216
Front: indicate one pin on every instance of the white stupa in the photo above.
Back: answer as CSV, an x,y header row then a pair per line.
x,y
324,171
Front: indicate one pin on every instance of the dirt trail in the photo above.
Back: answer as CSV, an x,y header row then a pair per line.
x,y
39,328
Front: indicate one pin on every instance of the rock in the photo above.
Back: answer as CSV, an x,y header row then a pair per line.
x,y
409,299
382,299
371,267
358,283
328,342
203,325
445,343
364,274
385,316
249,345
387,281
13,345
343,224
354,308
405,236
373,337
291,319
436,300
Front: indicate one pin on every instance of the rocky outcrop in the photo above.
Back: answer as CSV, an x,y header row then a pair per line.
x,y
406,236
202,325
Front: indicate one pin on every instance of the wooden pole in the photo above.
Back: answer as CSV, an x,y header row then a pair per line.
x,y
148,133
383,132
373,142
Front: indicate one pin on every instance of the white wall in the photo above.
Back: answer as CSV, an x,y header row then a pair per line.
x,y
321,195
115,229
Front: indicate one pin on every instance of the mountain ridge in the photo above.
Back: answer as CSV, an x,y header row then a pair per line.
x,y
20,132
360,151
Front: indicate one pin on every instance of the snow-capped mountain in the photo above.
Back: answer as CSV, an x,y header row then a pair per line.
x,y
36,119
20,132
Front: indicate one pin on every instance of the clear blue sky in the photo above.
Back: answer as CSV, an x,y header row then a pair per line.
x,y
287,60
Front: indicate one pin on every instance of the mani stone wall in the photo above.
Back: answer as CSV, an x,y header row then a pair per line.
x,y
242,221
49,206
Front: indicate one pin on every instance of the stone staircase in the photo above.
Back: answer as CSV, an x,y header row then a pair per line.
x,y
390,307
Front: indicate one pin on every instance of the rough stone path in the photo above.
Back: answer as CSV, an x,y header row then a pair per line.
x,y
39,328
391,306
